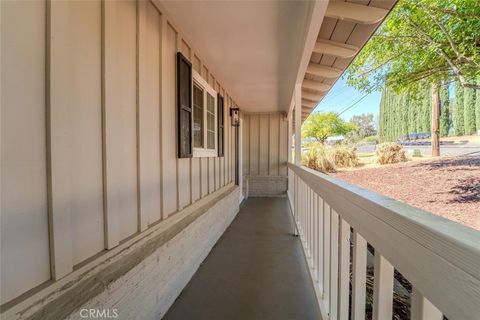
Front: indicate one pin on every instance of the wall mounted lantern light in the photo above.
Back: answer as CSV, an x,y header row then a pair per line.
x,y
235,115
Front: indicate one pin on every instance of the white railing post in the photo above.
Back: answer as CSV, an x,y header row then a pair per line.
x,y
382,288
344,270
422,308
326,256
320,250
359,276
298,124
333,264
315,236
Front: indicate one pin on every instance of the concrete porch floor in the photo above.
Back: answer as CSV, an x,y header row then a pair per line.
x,y
257,270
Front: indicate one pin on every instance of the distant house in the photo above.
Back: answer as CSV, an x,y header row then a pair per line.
x,y
335,139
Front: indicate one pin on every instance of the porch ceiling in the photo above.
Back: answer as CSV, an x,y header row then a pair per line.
x,y
346,27
253,47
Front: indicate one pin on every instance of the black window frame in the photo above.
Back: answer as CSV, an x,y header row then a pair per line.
x,y
220,125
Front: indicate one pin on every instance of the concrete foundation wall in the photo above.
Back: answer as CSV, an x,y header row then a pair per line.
x,y
265,186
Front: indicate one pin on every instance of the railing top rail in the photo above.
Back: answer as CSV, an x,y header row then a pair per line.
x,y
434,253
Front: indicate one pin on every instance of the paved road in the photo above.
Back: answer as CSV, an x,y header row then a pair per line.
x,y
447,150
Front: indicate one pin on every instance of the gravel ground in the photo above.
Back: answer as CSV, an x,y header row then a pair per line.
x,y
449,187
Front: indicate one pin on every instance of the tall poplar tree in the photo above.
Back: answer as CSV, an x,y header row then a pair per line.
x,y
469,110
445,113
477,106
458,112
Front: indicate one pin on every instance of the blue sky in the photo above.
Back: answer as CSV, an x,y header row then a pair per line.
x,y
342,96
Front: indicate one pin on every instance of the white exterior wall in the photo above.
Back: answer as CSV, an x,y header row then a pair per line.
x,y
88,133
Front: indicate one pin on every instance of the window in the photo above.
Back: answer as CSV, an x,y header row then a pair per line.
x,y
204,118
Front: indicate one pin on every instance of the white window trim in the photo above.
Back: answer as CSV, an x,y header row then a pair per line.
x,y
205,152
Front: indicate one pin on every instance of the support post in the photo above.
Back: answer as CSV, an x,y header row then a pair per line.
x,y
289,137
298,124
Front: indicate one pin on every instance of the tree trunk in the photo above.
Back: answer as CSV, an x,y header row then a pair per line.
x,y
435,120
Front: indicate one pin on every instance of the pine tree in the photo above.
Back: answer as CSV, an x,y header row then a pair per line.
x,y
469,110
445,113
458,112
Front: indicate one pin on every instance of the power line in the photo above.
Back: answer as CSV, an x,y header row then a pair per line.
x,y
353,104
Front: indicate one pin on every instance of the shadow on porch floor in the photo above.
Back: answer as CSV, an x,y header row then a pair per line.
x,y
256,270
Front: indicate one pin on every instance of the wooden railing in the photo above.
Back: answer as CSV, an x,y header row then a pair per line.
x,y
336,220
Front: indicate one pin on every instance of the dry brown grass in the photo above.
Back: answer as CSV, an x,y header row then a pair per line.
x,y
390,152
327,158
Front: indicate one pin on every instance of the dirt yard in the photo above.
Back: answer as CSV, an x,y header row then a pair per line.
x,y
449,187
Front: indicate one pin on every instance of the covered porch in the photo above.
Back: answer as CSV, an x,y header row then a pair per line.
x,y
124,164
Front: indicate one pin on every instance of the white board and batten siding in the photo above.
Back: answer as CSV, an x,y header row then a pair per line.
x,y
264,144
88,133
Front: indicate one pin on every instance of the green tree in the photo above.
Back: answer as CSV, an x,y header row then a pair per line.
x,y
365,125
458,112
445,111
422,42
469,110
321,125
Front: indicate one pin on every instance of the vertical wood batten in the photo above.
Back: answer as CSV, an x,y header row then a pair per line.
x,y
140,57
382,288
422,308
344,270
58,146
108,64
359,276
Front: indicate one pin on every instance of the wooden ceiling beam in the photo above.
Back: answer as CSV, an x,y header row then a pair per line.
x,y
323,71
309,104
315,85
315,97
354,12
336,49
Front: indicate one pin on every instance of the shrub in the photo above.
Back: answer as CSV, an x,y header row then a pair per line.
x,y
390,152
344,156
317,158
326,158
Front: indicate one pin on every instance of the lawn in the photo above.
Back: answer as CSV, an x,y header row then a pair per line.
x,y
449,187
